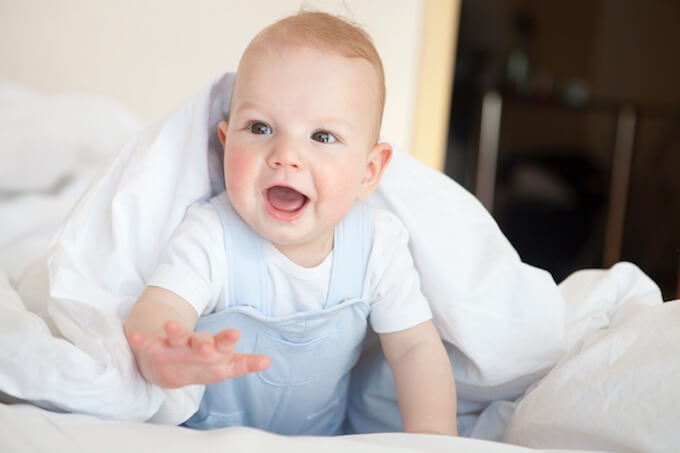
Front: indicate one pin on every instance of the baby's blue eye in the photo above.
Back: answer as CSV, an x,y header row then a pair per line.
x,y
260,129
323,137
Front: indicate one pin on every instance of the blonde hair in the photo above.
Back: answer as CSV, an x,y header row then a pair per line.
x,y
328,33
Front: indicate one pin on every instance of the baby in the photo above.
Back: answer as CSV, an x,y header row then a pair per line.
x,y
265,292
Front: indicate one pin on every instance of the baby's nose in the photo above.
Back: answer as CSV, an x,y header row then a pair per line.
x,y
285,154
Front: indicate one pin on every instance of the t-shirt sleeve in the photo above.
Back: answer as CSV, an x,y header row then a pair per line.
x,y
193,265
392,281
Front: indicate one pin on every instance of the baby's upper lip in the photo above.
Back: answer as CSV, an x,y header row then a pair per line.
x,y
283,184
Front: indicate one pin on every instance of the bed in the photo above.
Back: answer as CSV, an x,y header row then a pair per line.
x,y
590,364
609,386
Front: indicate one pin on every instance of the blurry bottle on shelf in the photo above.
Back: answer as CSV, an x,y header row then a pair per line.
x,y
518,65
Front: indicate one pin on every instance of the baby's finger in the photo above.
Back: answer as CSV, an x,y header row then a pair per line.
x,y
250,363
225,341
175,334
146,343
202,343
138,340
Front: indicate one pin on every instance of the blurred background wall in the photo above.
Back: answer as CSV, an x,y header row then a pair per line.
x,y
153,54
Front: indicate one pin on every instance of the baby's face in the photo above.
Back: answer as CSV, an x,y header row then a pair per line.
x,y
301,129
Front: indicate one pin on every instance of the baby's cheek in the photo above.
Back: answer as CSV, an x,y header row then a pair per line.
x,y
339,193
237,168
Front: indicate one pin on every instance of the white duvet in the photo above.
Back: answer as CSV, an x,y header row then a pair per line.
x,y
600,351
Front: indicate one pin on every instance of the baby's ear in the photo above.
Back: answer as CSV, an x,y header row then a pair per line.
x,y
222,127
378,158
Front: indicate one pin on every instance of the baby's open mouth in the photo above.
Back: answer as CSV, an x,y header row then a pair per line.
x,y
286,199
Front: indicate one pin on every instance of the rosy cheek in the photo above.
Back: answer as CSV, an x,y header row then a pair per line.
x,y
236,165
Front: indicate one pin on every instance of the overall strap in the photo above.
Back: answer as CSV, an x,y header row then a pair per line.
x,y
246,267
352,243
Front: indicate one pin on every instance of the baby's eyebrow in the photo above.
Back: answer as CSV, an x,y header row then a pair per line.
x,y
335,121
246,105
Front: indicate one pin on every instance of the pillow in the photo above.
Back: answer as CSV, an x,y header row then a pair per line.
x,y
44,139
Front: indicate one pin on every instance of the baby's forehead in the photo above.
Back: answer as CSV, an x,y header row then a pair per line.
x,y
265,61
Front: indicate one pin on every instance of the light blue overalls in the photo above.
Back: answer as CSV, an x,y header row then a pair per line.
x,y
305,389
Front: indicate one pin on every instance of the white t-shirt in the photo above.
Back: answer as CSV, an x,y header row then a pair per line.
x,y
194,267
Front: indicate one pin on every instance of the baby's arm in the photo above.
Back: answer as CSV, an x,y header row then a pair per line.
x,y
424,380
170,354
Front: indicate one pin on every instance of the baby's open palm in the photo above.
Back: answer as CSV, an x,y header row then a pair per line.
x,y
186,358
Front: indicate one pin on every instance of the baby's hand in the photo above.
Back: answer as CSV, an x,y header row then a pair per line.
x,y
187,358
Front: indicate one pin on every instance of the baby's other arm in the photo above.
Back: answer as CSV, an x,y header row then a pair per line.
x,y
170,354
424,379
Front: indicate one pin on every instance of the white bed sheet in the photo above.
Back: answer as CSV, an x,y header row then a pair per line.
x,y
25,428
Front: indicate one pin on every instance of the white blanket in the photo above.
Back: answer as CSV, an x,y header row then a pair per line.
x,y
504,321
50,147
617,387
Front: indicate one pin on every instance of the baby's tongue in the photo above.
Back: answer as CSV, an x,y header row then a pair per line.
x,y
285,198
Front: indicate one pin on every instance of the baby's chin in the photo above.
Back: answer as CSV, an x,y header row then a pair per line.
x,y
302,251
